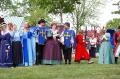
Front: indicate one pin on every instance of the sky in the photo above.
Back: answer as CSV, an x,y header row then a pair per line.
x,y
104,16
106,12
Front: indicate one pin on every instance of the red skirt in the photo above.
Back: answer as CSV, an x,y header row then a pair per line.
x,y
81,53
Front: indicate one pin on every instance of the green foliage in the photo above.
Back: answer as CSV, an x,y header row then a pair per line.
x,y
118,5
36,14
116,12
85,11
113,23
5,4
19,8
54,6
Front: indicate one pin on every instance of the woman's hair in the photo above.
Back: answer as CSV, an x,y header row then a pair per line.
x,y
26,24
10,26
54,24
80,32
119,27
102,32
3,27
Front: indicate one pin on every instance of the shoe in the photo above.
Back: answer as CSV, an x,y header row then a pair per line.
x,y
65,62
90,62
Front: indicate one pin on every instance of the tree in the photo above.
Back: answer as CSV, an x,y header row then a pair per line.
x,y
19,8
84,12
113,23
118,11
116,21
36,15
5,4
55,6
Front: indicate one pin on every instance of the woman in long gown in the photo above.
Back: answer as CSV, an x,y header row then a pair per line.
x,y
81,51
5,49
33,42
52,52
27,46
106,55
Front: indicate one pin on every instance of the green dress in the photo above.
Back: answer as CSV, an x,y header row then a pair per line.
x,y
106,53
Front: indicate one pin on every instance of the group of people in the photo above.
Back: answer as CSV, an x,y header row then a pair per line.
x,y
109,49
40,44
35,45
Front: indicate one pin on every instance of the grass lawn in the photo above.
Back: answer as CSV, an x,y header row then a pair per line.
x,y
73,71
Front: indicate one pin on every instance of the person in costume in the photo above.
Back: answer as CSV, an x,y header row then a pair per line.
x,y
27,46
41,30
106,51
111,31
54,29
52,53
56,34
17,47
68,42
81,51
93,42
33,42
117,44
5,48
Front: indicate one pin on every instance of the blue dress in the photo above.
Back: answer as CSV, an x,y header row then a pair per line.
x,y
106,53
5,50
33,42
27,49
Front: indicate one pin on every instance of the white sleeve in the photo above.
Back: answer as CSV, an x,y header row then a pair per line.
x,y
72,40
62,38
117,51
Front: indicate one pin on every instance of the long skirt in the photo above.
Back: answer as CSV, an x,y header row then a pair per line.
x,y
5,54
106,55
17,53
27,52
52,53
81,53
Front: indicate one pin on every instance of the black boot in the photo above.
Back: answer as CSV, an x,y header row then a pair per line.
x,y
65,61
116,59
69,61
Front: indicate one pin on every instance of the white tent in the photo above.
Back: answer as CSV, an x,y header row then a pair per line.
x,y
18,21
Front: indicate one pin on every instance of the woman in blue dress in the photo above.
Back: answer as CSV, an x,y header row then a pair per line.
x,y
27,46
106,51
5,48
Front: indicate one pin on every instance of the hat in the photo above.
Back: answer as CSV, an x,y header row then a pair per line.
x,y
49,33
106,36
41,21
67,23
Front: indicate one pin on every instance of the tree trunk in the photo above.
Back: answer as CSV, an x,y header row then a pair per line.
x,y
85,32
61,17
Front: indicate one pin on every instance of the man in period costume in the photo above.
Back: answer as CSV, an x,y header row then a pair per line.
x,y
68,41
41,31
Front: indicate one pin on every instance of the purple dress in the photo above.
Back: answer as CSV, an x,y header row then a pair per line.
x,y
52,52
5,50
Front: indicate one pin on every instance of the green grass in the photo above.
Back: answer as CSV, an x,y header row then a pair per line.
x,y
73,71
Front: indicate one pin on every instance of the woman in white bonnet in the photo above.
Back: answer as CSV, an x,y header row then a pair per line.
x,y
106,55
